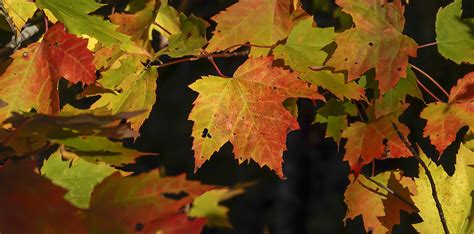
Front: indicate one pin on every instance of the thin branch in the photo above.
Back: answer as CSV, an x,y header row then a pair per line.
x,y
211,59
428,174
162,28
431,79
201,56
428,91
427,45
391,192
248,45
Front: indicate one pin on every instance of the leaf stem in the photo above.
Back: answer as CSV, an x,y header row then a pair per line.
x,y
427,45
428,91
201,56
211,59
390,191
428,174
431,79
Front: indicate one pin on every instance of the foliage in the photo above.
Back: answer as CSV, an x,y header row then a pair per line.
x,y
64,168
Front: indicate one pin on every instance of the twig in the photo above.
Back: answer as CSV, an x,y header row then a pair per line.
x,y
211,59
391,192
431,79
428,174
428,91
201,56
427,45
162,28
248,45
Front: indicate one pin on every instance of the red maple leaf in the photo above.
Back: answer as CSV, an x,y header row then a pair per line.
x,y
31,80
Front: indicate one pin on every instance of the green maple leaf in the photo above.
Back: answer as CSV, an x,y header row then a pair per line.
x,y
75,15
135,87
394,98
454,35
334,113
303,49
190,39
78,176
100,149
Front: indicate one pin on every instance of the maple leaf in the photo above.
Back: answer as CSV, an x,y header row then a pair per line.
x,y
247,110
135,87
75,15
394,99
335,113
32,204
207,205
454,193
375,41
445,119
31,80
78,176
379,209
31,131
22,10
100,149
19,11
454,34
142,203
303,50
374,140
260,22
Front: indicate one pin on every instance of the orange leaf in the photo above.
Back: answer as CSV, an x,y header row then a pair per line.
x,y
375,41
445,119
380,210
247,110
144,203
373,140
260,22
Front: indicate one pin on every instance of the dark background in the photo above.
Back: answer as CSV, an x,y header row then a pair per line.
x,y
311,200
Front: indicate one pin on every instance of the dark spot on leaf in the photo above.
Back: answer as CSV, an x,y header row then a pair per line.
x,y
345,59
25,54
399,69
56,44
371,44
205,133
356,63
176,196
274,87
385,141
139,227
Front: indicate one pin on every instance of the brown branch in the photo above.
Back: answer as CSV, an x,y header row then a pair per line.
x,y
248,45
427,45
431,79
428,174
391,192
162,28
201,56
